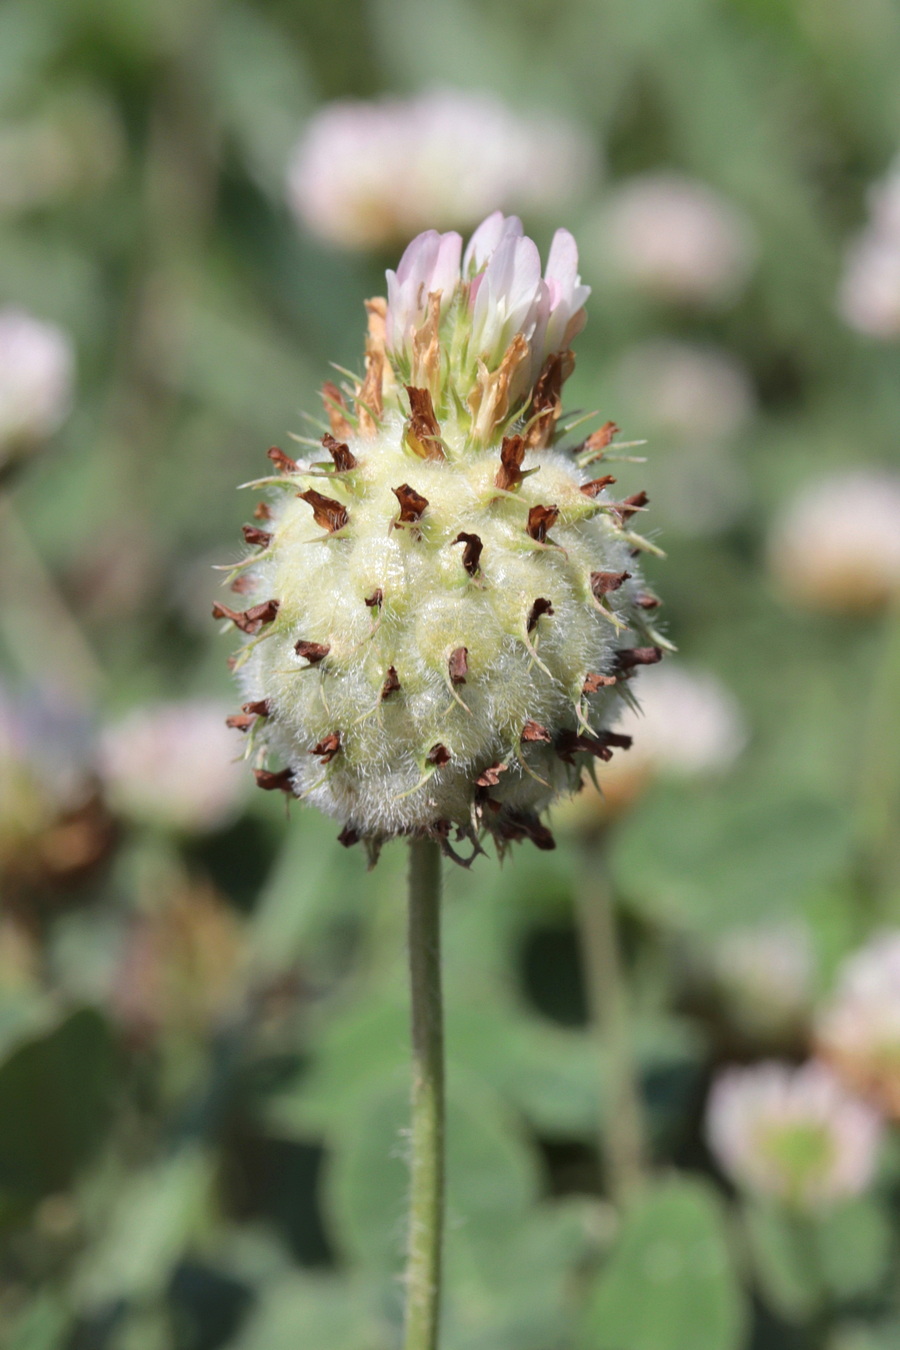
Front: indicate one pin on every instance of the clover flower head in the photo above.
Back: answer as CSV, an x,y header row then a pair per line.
x,y
869,293
836,544
369,174
765,975
676,239
36,374
172,765
793,1134
858,1030
443,616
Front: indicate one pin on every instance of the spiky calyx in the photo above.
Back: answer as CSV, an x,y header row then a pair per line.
x,y
442,618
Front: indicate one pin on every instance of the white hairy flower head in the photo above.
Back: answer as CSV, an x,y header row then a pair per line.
x,y
442,618
793,1134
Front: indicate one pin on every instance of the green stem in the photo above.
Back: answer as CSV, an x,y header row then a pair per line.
x,y
621,1123
878,789
426,1200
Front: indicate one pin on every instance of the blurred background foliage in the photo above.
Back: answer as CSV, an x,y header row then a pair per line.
x,y
203,1024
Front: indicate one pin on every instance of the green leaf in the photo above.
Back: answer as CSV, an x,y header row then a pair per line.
x,y
491,1175
301,1310
710,860
55,1093
670,1283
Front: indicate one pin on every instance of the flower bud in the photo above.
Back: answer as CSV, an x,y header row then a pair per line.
x,y
442,607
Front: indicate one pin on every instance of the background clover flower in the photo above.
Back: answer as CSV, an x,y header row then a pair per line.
x,y
369,174
36,374
441,617
858,1029
869,294
793,1134
836,544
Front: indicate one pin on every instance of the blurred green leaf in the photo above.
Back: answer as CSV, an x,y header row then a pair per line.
x,y
55,1095
670,1283
302,1310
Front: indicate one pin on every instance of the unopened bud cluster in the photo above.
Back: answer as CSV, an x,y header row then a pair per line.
x,y
442,607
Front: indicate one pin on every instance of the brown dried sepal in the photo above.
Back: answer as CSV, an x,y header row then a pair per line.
x,y
240,721
348,837
336,408
512,452
539,608
604,582
253,535
458,665
629,657
423,432
376,599
517,825
471,553
438,756
596,443
328,513
490,776
282,462
647,600
262,511
570,743
369,396
328,747
260,707
251,620
596,485
533,731
282,781
546,401
313,652
243,584
412,504
594,683
340,452
631,505
391,683
541,519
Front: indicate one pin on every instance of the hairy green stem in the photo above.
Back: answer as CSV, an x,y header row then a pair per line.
x,y
622,1135
426,1200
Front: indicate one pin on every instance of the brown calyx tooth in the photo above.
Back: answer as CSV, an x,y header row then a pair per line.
x,y
340,452
282,781
376,599
336,409
281,461
541,519
647,600
438,756
594,683
631,505
262,511
412,504
595,444
629,657
328,513
253,535
533,731
249,620
538,609
313,652
490,776
391,683
240,721
327,747
512,452
423,432
604,582
348,836
260,708
458,665
596,485
471,553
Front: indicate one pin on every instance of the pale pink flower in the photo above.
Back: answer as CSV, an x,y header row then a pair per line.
x,y
688,391
869,294
687,723
793,1134
676,239
765,974
368,174
174,765
836,546
429,264
36,374
858,1030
